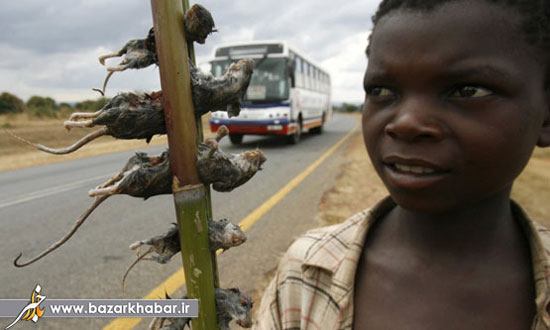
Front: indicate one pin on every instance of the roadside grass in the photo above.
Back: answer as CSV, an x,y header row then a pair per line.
x,y
51,133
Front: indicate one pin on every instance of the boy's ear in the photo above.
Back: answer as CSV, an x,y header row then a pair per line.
x,y
544,136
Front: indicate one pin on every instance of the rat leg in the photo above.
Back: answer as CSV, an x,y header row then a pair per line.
x,y
111,186
104,191
117,54
72,124
213,147
117,68
65,238
77,145
111,181
222,132
84,115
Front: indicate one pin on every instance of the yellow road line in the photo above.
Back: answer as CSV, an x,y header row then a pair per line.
x,y
176,280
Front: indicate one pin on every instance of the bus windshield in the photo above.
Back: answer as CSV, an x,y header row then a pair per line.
x,y
269,82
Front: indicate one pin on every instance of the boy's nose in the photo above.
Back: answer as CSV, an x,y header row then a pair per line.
x,y
414,122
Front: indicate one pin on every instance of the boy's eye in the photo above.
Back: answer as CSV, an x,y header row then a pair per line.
x,y
379,92
471,92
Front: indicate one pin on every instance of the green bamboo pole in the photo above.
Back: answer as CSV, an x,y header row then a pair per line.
x,y
210,214
190,195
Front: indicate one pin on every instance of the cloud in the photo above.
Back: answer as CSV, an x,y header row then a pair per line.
x,y
51,47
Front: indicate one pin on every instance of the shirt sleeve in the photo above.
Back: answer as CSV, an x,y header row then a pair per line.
x,y
282,300
268,315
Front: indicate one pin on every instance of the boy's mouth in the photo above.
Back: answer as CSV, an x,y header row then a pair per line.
x,y
413,169
412,173
412,165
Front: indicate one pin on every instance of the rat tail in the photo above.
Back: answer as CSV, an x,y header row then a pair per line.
x,y
65,238
77,145
105,82
141,257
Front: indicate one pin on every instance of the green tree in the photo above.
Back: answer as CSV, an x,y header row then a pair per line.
x,y
10,103
91,105
350,107
65,105
42,106
41,102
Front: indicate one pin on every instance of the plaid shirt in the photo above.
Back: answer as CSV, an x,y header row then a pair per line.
x,y
313,287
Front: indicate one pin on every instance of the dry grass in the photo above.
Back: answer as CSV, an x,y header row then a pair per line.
x,y
357,186
532,190
50,132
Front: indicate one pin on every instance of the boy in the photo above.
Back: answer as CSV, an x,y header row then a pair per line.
x,y
457,97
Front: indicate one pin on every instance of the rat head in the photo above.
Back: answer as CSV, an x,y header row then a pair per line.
x,y
245,66
457,97
199,23
232,233
236,305
150,43
255,157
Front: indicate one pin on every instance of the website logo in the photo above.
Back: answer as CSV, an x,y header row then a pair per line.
x,y
32,311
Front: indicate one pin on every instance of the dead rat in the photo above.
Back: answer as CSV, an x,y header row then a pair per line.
x,y
125,116
142,176
222,93
222,234
231,304
141,53
140,116
226,171
145,176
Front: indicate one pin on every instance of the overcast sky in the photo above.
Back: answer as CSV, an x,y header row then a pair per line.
x,y
50,48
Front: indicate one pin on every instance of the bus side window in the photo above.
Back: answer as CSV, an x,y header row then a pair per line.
x,y
298,72
291,69
217,70
313,78
316,78
308,75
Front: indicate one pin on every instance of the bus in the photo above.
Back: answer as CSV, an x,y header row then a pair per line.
x,y
288,93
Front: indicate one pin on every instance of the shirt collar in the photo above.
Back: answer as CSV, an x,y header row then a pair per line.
x,y
539,242
343,244
351,237
350,233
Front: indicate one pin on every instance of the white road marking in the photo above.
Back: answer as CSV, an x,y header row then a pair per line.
x,y
49,191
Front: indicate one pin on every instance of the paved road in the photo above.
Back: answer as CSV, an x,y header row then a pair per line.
x,y
39,204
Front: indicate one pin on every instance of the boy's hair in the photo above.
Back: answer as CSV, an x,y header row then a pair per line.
x,y
535,19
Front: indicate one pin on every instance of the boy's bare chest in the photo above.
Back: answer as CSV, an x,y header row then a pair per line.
x,y
387,297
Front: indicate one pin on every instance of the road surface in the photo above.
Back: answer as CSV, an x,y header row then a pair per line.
x,y
40,204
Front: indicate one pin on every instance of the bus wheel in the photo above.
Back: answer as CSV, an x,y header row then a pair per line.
x,y
235,138
318,129
295,137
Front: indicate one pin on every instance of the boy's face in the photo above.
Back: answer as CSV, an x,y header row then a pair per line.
x,y
455,104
